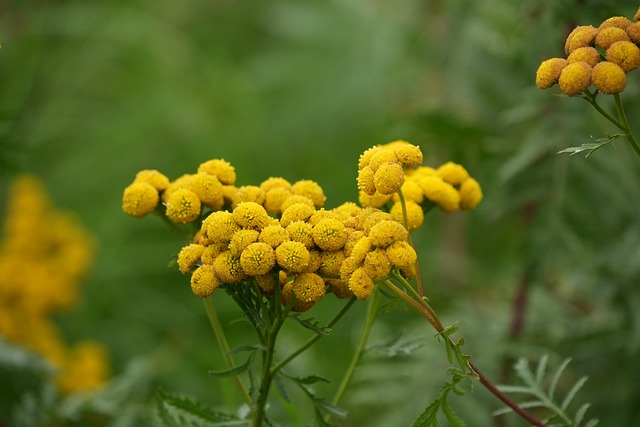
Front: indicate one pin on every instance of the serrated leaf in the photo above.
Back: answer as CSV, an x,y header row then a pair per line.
x,y
541,368
310,379
281,388
591,147
572,393
592,423
453,419
428,415
179,411
393,348
237,370
312,325
329,408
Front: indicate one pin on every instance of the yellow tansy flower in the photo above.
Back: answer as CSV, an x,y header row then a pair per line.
x,y
211,252
377,265
549,72
139,199
287,295
470,194
220,226
300,231
365,157
588,54
352,240
609,78
581,36
365,181
453,173
408,154
361,249
308,287
382,156
204,281
85,368
248,193
415,214
608,36
310,189
257,259
401,254
331,262
411,192
376,201
388,178
274,182
330,234
219,168
275,198
292,256
266,283
443,194
315,261
189,256
228,269
296,212
386,232
241,239
183,206
251,215
575,78
361,284
151,176
339,288
296,199
625,54
207,188
633,31
273,235
616,21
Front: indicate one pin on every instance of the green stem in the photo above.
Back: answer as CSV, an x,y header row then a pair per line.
x,y
372,312
625,123
405,219
591,99
224,345
313,339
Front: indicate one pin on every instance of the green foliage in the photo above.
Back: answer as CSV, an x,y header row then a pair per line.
x,y
312,325
178,411
590,148
322,407
429,418
541,390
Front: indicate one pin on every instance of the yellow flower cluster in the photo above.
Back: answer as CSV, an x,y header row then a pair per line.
x,y
44,255
278,233
595,56
449,186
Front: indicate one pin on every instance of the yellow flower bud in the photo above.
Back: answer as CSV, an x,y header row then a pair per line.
x,y
382,156
549,72
295,199
365,157
220,226
443,194
275,198
301,231
315,261
183,206
251,215
219,168
228,269
241,239
311,190
349,265
411,192
386,232
204,281
353,238
453,173
372,218
211,252
248,193
470,194
616,21
139,199
308,287
633,31
637,15
257,259
415,214
321,214
287,295
151,176
330,234
401,254
608,36
339,288
376,201
388,178
296,212
207,188
189,256
624,54
274,182
331,262
575,78
609,78
274,235
361,249
267,283
408,154
365,181
377,265
361,284
581,36
588,54
293,256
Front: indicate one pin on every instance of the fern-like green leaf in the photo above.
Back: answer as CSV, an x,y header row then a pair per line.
x,y
572,393
238,369
313,325
179,411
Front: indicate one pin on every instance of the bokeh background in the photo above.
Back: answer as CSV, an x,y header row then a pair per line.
x,y
92,92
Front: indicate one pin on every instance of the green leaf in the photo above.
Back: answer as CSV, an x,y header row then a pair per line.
x,y
572,393
592,423
179,411
591,147
453,419
310,379
313,325
540,370
580,413
557,375
237,370
393,347
281,388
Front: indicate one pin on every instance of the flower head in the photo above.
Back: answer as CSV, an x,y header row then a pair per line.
x,y
408,154
248,193
151,176
257,259
204,281
139,199
361,284
211,252
386,232
287,295
295,199
330,234
189,256
274,182
241,239
220,226
549,72
274,199
382,156
292,256
219,168
581,36
443,194
588,54
411,192
183,206
377,265
273,235
207,188
311,190
616,21
608,36
376,201
609,78
365,181
308,287
401,254
388,178
315,261
453,173
267,283
365,157
339,288
296,212
251,215
633,31
470,194
575,78
625,54
300,231
415,214
228,269
331,262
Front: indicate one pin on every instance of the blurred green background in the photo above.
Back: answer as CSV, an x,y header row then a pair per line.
x,y
92,92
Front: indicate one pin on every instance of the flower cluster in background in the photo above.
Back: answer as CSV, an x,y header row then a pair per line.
x,y
595,56
44,254
278,232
